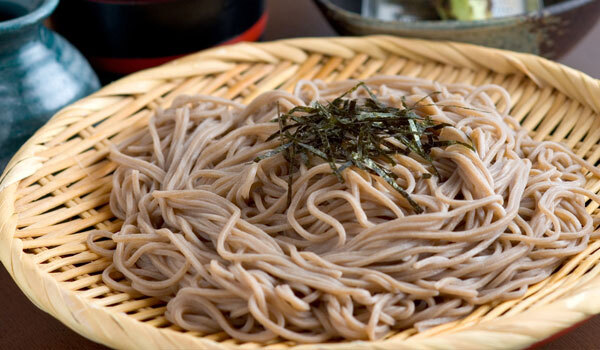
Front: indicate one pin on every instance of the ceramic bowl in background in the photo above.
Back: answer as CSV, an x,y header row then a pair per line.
x,y
551,32
122,36
40,72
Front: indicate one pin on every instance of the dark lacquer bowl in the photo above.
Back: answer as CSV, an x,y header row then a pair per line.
x,y
123,36
550,33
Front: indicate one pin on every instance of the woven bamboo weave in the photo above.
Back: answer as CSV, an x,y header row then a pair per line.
x,y
56,188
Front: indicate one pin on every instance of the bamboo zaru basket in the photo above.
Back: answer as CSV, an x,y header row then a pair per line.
x,y
57,186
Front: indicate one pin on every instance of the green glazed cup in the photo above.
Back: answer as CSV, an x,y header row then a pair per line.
x,y
40,72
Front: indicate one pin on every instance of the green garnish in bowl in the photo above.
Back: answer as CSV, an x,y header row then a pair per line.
x,y
464,10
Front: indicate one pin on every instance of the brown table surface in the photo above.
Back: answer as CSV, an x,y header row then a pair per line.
x,y
23,326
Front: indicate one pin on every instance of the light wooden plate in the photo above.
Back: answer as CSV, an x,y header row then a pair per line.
x,y
57,186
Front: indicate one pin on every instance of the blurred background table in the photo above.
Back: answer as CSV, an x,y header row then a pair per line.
x,y
23,326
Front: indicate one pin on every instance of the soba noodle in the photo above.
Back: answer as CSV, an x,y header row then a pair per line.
x,y
209,231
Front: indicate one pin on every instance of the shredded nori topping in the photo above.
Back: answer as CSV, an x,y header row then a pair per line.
x,y
347,133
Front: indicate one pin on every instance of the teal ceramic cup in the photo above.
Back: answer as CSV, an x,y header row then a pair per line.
x,y
40,72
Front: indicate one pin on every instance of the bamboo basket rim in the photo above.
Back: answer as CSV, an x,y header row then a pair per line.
x,y
117,329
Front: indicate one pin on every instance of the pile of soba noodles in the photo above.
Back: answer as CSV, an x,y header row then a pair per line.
x,y
210,230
